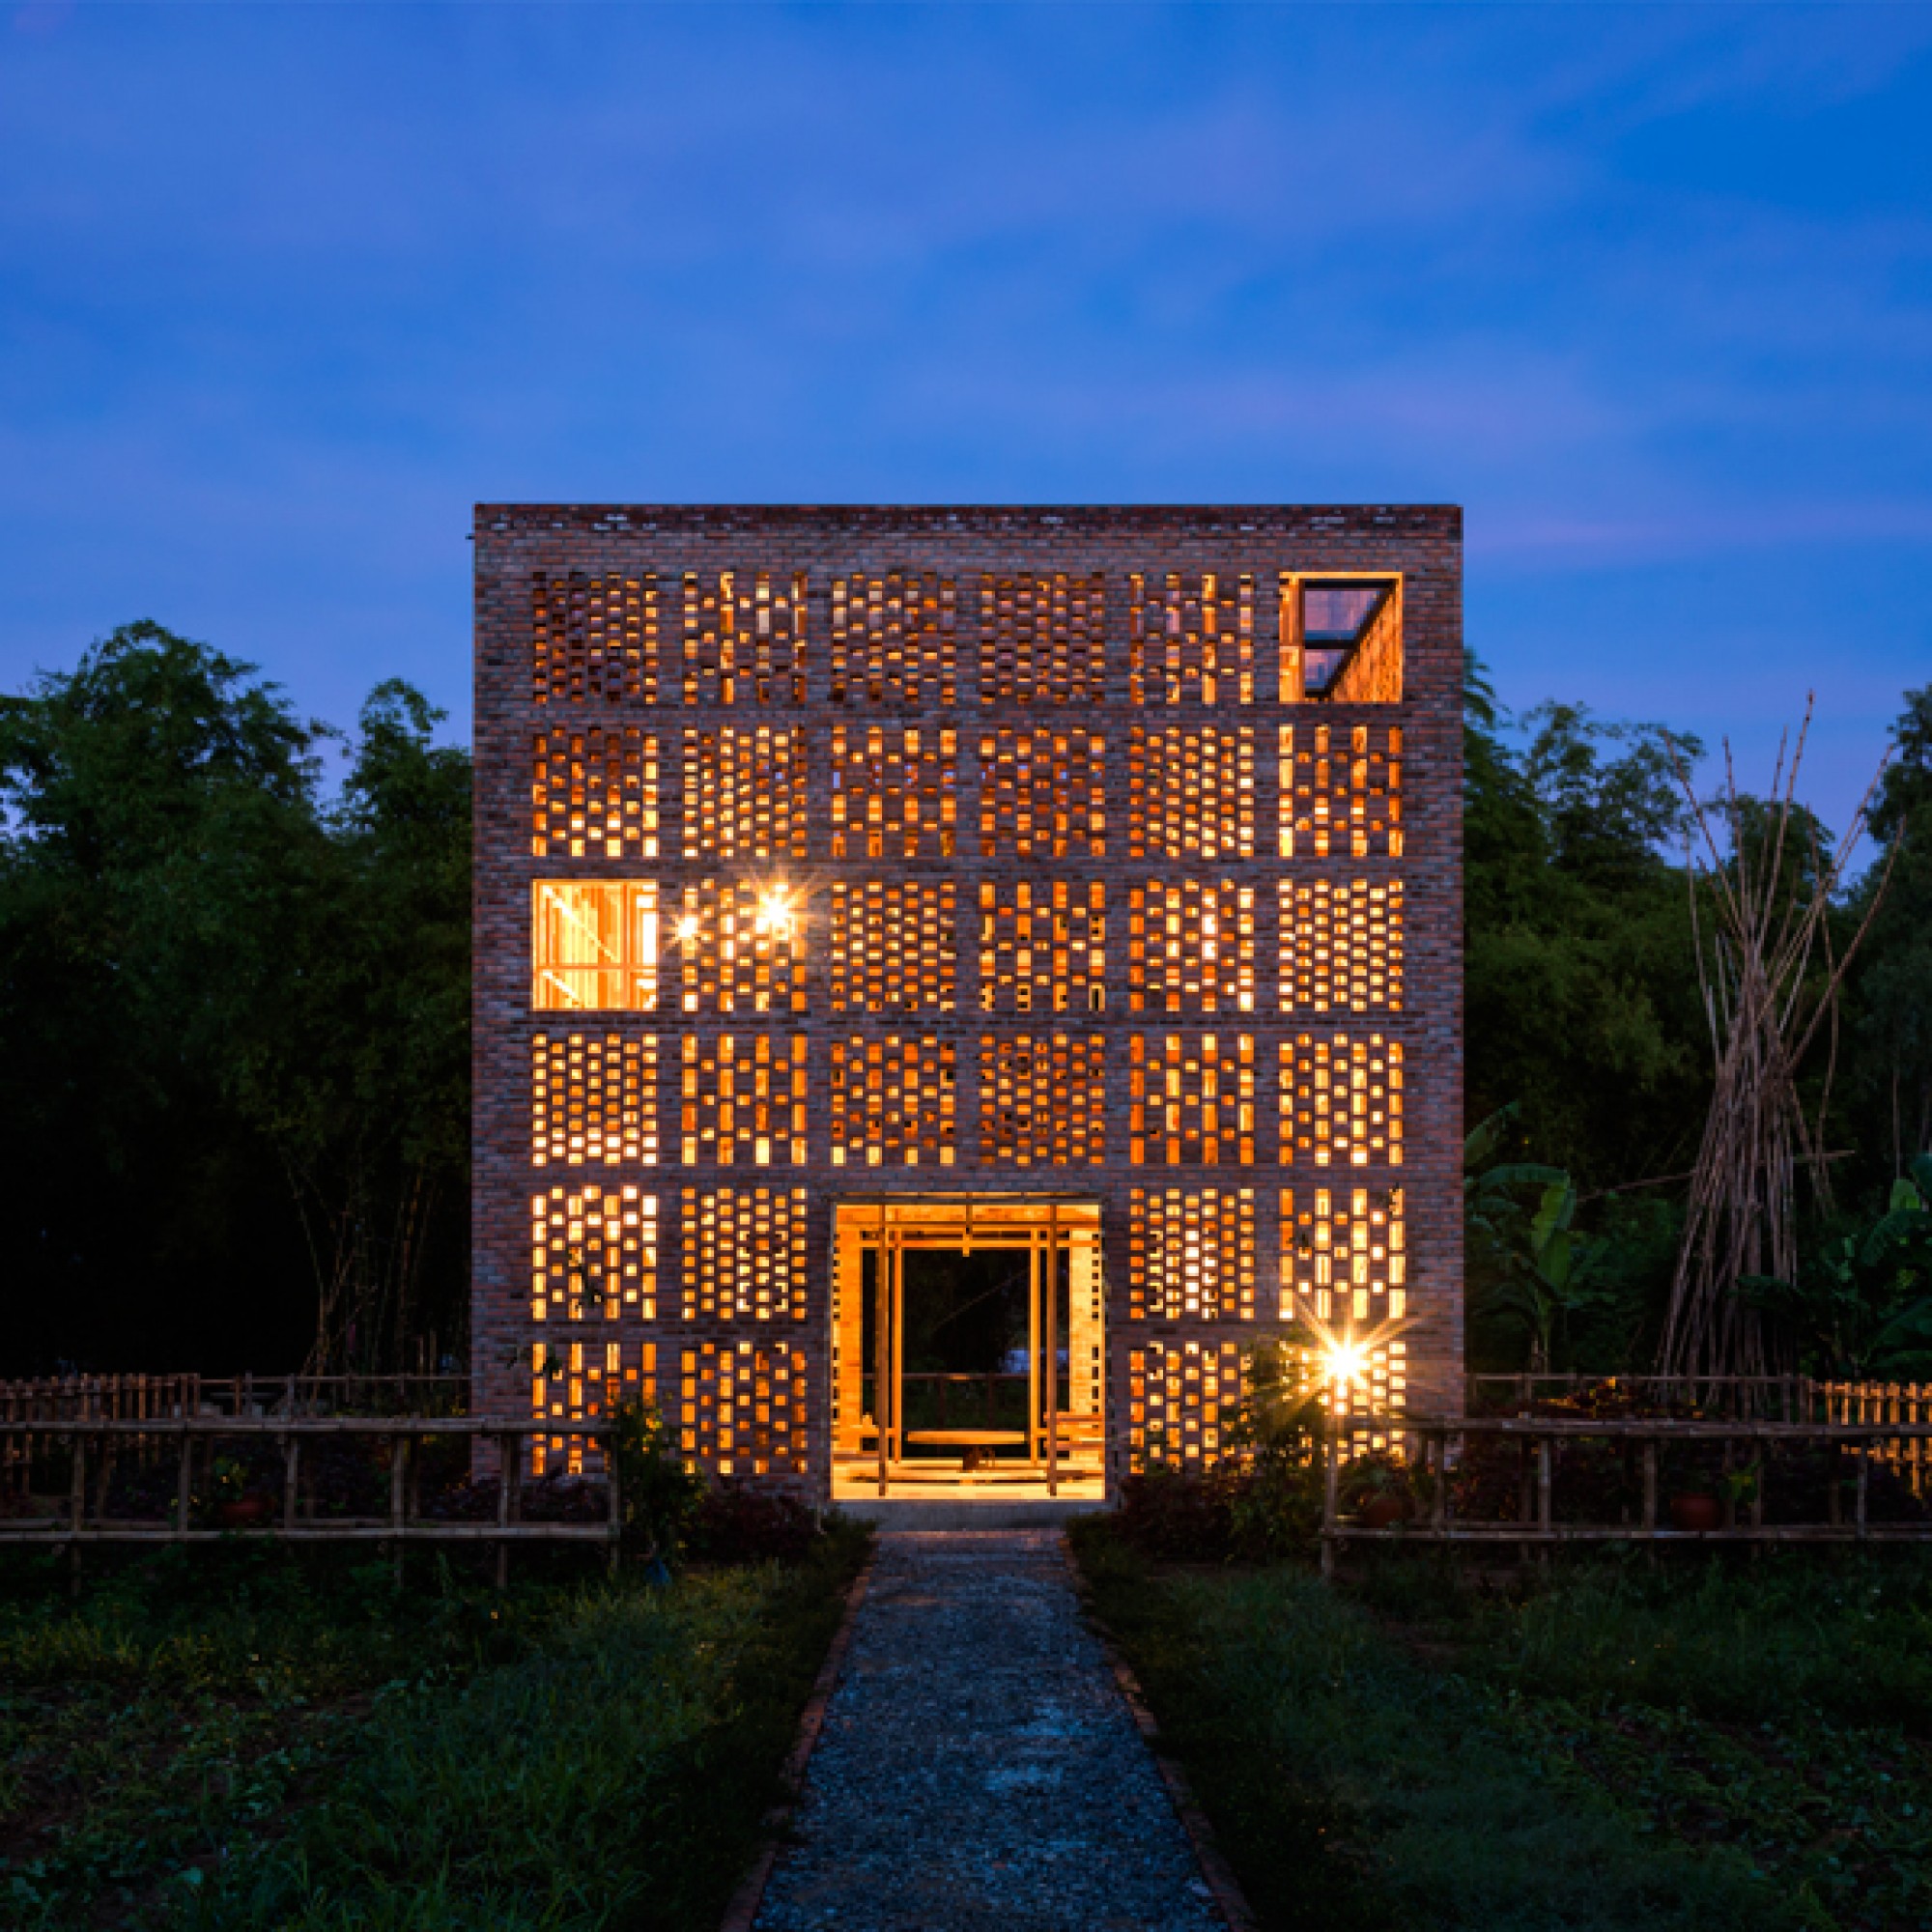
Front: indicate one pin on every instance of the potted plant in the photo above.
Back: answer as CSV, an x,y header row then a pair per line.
x,y
1695,1508
1376,1487
236,1505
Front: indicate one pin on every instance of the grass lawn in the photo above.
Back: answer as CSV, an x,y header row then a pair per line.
x,y
244,1739
1737,1745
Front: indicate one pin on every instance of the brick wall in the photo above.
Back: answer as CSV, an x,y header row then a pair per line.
x,y
1026,699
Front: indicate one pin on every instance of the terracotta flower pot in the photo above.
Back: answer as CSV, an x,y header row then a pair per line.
x,y
1695,1513
1384,1511
244,1512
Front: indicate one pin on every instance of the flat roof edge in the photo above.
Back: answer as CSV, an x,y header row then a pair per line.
x,y
643,519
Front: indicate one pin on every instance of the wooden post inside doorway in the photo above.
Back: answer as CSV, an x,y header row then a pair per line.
x,y
882,1342
1053,1350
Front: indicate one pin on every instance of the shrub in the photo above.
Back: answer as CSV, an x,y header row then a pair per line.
x,y
1180,1515
1261,1510
660,1494
734,1524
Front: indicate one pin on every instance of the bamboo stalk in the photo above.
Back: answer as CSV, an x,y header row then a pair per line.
x,y
1763,1012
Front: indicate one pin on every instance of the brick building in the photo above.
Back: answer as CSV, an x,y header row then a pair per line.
x,y
1078,886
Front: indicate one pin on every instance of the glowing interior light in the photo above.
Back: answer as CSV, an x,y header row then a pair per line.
x,y
687,929
775,912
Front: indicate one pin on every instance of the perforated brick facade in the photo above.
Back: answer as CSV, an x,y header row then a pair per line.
x,y
1088,896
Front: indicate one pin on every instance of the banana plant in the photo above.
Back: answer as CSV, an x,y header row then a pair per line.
x,y
1863,1304
1539,1271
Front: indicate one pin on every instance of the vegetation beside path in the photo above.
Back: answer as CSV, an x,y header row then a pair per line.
x,y
254,1740
1610,1748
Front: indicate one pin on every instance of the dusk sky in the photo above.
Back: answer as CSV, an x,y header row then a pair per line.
x,y
285,289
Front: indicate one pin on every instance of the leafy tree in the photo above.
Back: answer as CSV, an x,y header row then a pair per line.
x,y
363,1089
1580,988
213,985
1890,1097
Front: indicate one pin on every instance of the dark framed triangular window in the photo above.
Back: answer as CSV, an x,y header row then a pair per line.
x,y
1341,639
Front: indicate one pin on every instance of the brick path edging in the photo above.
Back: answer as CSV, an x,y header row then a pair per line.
x,y
1215,1872
750,1895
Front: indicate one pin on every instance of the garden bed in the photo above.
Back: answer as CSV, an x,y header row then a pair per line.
x,y
1729,1742
247,1738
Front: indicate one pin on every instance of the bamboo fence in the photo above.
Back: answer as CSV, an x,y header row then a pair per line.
x,y
143,1398
84,1452
1792,1399
1436,1447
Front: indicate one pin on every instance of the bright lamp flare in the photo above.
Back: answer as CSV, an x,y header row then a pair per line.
x,y
687,929
1344,1362
1344,1357
775,911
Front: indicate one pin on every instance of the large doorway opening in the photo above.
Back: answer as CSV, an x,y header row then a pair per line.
x,y
969,1351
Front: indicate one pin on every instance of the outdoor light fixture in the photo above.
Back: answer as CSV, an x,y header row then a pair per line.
x,y
687,929
1344,1361
1343,1357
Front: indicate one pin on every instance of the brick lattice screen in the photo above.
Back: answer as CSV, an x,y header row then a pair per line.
x,y
829,854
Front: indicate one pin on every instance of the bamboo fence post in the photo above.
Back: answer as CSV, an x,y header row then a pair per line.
x,y
291,1477
399,1463
1524,1481
77,1504
1438,1444
1546,1484
503,1482
183,1483
510,1500
613,1487
1331,1490
107,1475
1650,1498
1864,1468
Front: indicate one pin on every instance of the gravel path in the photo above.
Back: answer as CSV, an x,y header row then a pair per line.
x,y
978,1768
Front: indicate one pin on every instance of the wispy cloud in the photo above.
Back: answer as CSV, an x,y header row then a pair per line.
x,y
1649,290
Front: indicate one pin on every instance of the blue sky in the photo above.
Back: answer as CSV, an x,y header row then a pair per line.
x,y
283,290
